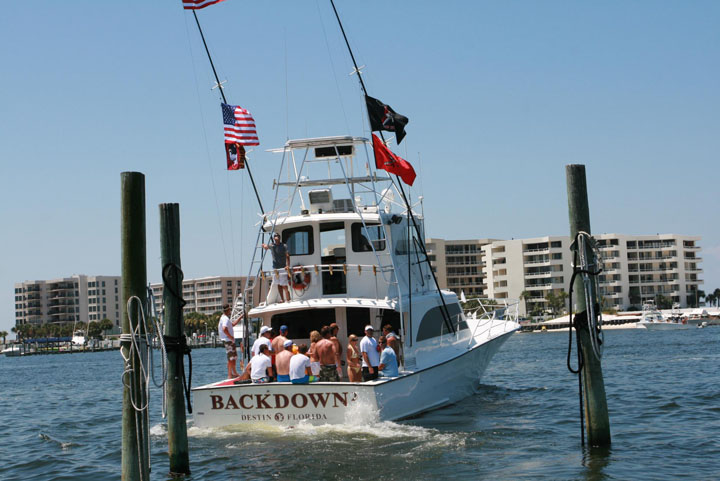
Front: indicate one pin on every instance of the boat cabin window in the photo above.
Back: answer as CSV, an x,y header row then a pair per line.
x,y
363,237
299,240
357,319
433,323
392,317
301,323
332,252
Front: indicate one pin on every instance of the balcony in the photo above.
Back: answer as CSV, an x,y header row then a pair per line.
x,y
535,251
538,275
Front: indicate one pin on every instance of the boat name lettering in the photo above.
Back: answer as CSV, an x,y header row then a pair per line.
x,y
282,401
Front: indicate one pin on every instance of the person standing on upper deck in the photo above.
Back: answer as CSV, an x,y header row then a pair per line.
x,y
281,263
326,353
370,355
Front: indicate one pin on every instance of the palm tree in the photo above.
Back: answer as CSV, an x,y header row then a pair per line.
x,y
709,299
716,293
524,296
3,334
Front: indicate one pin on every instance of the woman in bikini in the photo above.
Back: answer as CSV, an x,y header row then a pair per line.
x,y
353,359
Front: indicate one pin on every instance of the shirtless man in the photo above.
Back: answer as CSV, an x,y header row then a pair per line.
x,y
278,345
327,355
282,361
334,329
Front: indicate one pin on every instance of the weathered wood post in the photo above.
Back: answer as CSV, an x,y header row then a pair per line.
x,y
135,458
596,411
174,330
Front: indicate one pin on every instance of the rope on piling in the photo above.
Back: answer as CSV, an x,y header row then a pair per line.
x,y
178,343
589,269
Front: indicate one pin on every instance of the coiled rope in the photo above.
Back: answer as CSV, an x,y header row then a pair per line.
x,y
178,343
589,269
137,342
159,328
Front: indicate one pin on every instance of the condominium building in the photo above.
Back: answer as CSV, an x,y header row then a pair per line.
x,y
636,269
458,264
206,295
78,298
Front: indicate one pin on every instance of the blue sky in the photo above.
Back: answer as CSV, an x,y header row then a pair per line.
x,y
500,96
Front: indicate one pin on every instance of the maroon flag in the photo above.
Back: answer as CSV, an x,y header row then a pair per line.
x,y
198,4
386,160
235,154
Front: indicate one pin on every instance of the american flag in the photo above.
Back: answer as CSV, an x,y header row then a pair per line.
x,y
239,126
198,4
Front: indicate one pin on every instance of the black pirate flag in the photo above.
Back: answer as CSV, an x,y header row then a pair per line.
x,y
383,117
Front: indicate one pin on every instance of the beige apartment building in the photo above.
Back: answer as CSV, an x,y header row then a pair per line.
x,y
206,295
636,269
78,298
458,264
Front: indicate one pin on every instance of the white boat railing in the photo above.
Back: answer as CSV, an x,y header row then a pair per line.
x,y
490,313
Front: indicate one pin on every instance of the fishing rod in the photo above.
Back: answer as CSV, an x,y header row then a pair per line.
x,y
222,92
421,243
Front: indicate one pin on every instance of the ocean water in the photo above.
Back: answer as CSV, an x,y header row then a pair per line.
x,y
60,418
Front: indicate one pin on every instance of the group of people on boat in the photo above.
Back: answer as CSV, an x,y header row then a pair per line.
x,y
277,358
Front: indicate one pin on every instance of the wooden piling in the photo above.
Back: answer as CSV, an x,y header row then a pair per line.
x,y
595,402
135,425
174,329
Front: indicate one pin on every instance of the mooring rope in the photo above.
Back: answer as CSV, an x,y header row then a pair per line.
x,y
159,328
178,343
582,266
138,348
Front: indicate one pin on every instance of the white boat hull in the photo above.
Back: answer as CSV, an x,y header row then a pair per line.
x,y
662,326
319,403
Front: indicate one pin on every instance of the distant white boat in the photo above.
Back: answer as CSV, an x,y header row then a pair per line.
x,y
78,338
12,351
652,319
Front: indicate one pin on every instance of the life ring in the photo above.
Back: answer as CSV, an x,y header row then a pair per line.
x,y
299,281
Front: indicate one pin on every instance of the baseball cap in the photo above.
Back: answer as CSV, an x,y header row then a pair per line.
x,y
265,329
287,343
369,328
283,328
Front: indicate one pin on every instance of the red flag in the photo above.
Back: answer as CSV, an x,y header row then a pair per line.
x,y
198,4
235,154
386,160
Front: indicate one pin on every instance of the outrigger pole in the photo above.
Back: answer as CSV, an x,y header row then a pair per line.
x,y
421,243
220,87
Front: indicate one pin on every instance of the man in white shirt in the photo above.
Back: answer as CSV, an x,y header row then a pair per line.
x,y
300,366
370,355
261,366
225,330
265,333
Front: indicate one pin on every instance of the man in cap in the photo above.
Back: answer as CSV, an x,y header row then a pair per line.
x,y
278,342
282,361
225,330
265,333
370,355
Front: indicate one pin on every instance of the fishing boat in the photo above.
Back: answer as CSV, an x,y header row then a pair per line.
x,y
78,338
653,320
357,259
